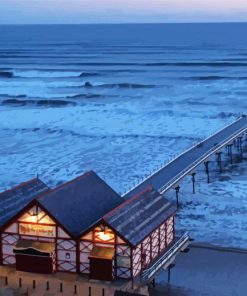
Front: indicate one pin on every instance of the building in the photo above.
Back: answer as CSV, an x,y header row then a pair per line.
x,y
85,227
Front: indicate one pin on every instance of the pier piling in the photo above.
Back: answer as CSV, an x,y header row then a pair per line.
x,y
193,182
206,163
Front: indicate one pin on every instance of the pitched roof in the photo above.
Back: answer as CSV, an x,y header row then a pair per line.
x,y
15,199
138,216
80,203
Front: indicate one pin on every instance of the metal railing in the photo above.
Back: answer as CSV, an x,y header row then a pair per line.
x,y
148,273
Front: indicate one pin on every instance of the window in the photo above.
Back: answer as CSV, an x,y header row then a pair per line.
x,y
67,255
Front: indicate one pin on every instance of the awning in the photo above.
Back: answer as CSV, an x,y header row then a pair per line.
x,y
102,253
42,247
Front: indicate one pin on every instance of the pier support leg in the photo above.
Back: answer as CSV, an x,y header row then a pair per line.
x,y
193,182
229,151
240,148
153,282
177,194
219,162
207,170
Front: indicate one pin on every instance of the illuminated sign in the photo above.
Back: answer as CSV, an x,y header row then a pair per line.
x,y
37,230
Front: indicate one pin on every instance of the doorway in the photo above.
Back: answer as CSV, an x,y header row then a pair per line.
x,y
101,263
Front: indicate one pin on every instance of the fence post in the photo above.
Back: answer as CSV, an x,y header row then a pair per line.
x,y
61,287
6,281
34,284
103,292
47,286
20,282
75,289
89,291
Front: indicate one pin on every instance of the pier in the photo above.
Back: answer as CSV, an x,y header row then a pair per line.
x,y
186,163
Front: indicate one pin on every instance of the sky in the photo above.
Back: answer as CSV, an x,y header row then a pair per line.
x,y
120,11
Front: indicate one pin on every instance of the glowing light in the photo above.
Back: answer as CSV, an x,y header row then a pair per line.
x,y
31,218
104,236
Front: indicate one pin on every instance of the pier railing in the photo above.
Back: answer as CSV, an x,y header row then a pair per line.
x,y
178,245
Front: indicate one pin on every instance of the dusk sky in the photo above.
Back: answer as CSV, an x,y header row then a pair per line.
x,y
120,11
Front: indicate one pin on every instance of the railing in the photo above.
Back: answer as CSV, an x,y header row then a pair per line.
x,y
182,153
148,273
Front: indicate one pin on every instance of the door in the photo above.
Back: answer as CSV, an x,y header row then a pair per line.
x,y
101,269
35,256
36,264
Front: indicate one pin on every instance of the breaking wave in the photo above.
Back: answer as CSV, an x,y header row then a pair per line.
x,y
88,74
208,78
42,103
6,74
119,85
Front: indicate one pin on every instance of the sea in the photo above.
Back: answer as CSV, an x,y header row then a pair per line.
x,y
123,100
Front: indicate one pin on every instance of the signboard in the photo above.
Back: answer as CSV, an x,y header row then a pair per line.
x,y
37,230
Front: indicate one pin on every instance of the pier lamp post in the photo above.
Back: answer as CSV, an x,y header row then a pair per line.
x,y
169,272
177,193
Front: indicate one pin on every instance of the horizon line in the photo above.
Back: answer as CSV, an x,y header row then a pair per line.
x,y
124,23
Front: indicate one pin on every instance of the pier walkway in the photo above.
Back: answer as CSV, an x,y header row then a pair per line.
x,y
169,176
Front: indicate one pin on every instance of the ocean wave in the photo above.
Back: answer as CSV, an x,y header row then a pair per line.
x,y
84,96
51,130
215,77
222,115
13,97
46,73
151,64
41,103
118,85
88,74
196,64
6,74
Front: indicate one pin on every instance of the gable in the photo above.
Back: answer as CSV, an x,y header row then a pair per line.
x,y
36,215
103,233
35,221
17,198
